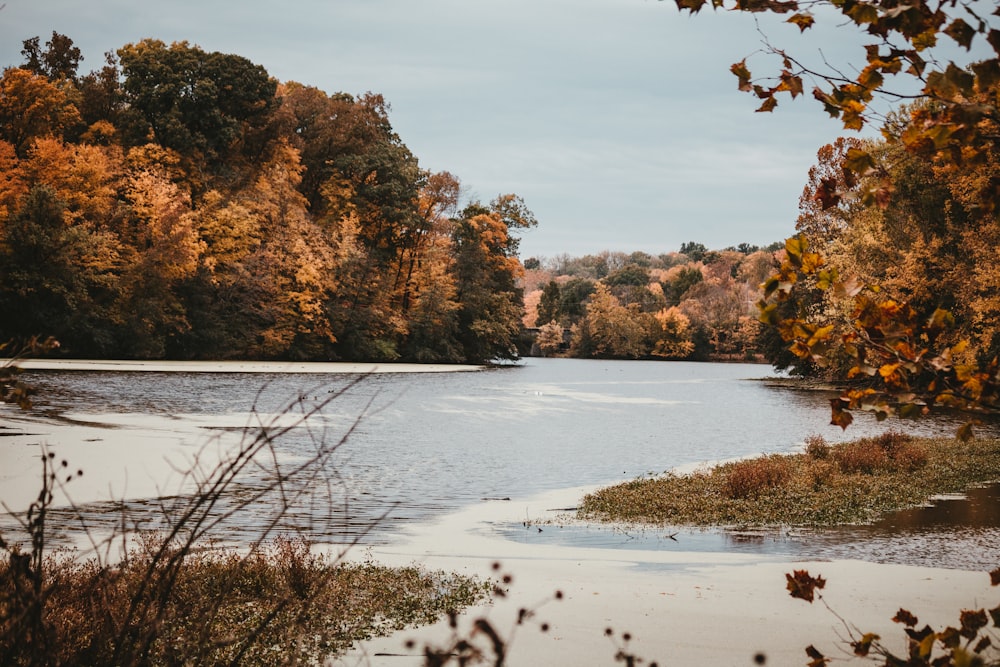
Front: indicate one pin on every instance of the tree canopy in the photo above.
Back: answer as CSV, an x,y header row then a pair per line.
x,y
178,203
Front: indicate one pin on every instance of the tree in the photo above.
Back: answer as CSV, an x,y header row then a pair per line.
x,y
548,304
694,251
55,277
486,273
680,280
672,338
550,338
609,329
202,105
913,361
59,60
33,107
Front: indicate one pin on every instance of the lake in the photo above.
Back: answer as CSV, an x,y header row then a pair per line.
x,y
422,445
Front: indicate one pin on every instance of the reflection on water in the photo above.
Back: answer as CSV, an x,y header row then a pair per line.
x,y
424,445
961,532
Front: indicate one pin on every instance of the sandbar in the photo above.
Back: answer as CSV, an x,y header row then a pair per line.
x,y
237,366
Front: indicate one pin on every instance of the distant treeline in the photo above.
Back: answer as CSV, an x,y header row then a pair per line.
x,y
181,204
692,304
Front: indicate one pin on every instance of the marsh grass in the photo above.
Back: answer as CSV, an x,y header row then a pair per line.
x,y
282,604
849,483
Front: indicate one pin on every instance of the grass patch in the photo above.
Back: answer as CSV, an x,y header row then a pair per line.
x,y
281,604
849,483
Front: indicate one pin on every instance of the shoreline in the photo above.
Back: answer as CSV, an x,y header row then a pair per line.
x,y
329,367
680,607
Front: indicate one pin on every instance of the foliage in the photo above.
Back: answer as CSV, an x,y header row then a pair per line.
x,y
911,359
178,203
665,307
852,482
970,643
958,123
550,338
753,477
941,147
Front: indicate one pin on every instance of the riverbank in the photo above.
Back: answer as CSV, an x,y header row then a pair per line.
x,y
678,607
314,367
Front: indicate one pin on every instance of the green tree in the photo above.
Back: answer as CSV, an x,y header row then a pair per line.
x,y
202,105
56,278
487,270
60,59
680,281
549,304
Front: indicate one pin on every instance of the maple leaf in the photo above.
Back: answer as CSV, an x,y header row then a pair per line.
x,y
905,617
803,585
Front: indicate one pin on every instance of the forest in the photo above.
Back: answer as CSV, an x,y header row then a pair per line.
x,y
181,204
695,303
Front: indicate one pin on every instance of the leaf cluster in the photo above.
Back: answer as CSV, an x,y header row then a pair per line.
x,y
971,642
907,358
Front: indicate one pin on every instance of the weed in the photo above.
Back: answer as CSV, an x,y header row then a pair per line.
x,y
856,483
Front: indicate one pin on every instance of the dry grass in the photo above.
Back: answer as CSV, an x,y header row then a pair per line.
x,y
853,482
278,605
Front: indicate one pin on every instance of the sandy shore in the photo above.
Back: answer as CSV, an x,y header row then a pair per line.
x,y
680,608
237,366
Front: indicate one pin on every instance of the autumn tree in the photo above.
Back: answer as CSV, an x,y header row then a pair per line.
x,y
954,126
550,338
609,330
672,336
486,273
163,250
33,107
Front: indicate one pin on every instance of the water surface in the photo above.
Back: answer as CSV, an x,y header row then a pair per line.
x,y
426,444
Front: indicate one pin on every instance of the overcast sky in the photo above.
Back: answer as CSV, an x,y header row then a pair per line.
x,y
617,121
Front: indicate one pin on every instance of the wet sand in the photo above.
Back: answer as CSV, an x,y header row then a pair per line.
x,y
680,608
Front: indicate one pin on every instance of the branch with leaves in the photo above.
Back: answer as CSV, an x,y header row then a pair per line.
x,y
959,122
969,644
906,363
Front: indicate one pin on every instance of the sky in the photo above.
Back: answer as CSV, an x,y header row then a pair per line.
x,y
617,121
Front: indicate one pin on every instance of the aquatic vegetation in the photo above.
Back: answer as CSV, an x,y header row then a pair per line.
x,y
852,482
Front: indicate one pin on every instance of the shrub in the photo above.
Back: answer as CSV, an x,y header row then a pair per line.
x,y
817,448
753,476
861,456
821,474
